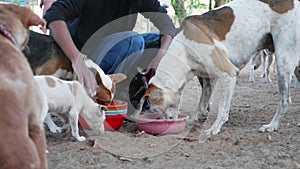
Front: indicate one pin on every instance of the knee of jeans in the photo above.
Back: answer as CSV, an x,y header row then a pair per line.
x,y
137,41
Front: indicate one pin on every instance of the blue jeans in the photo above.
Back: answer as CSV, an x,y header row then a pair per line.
x,y
120,51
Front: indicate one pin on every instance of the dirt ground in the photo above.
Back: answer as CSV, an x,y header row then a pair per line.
x,y
239,144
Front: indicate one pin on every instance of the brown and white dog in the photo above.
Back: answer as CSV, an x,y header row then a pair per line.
x,y
217,45
23,142
46,58
70,96
265,58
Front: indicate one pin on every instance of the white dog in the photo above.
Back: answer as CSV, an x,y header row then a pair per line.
x,y
264,58
70,96
217,45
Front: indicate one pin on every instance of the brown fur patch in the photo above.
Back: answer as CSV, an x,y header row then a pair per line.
x,y
103,95
155,95
204,28
50,82
280,6
149,89
51,66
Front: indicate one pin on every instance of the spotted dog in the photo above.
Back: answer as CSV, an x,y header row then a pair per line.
x,y
216,45
70,96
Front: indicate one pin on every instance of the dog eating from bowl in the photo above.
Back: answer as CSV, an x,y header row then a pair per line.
x,y
215,46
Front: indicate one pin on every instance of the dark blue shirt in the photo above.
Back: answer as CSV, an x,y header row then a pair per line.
x,y
85,17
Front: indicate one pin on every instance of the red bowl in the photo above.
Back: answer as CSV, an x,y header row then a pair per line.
x,y
113,122
150,124
114,115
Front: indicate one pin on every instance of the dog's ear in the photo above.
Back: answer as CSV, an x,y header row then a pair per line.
x,y
154,94
36,21
156,97
27,16
117,77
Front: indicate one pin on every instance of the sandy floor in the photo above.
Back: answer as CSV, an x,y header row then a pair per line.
x,y
239,144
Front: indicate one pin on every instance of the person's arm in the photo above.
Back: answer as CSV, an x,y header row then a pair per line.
x,y
56,16
165,43
62,36
158,16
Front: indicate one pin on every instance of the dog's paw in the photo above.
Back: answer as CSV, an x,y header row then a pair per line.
x,y
268,127
55,129
251,80
81,138
212,131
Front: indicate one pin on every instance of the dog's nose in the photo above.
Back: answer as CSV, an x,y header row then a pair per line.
x,y
171,117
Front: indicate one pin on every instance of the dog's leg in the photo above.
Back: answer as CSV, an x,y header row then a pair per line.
x,y
225,85
263,58
73,118
284,73
297,75
284,101
52,126
251,77
255,63
205,97
37,134
269,63
139,108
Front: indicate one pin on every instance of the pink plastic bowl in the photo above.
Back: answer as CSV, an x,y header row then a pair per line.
x,y
150,124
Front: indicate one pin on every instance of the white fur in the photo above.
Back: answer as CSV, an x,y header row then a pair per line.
x,y
70,96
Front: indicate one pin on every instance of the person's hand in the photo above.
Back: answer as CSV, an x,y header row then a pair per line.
x,y
165,42
152,66
84,75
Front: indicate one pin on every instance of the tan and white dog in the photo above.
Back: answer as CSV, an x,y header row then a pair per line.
x,y
217,45
22,105
265,59
70,96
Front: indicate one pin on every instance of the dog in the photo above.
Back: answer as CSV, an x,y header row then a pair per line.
x,y
264,58
47,58
23,141
70,96
216,45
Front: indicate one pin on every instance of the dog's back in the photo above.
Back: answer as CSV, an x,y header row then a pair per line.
x,y
45,56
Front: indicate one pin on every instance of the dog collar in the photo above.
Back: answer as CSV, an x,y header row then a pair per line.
x,y
7,34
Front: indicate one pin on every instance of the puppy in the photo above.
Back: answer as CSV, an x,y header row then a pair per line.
x,y
264,58
22,105
46,58
70,96
215,46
